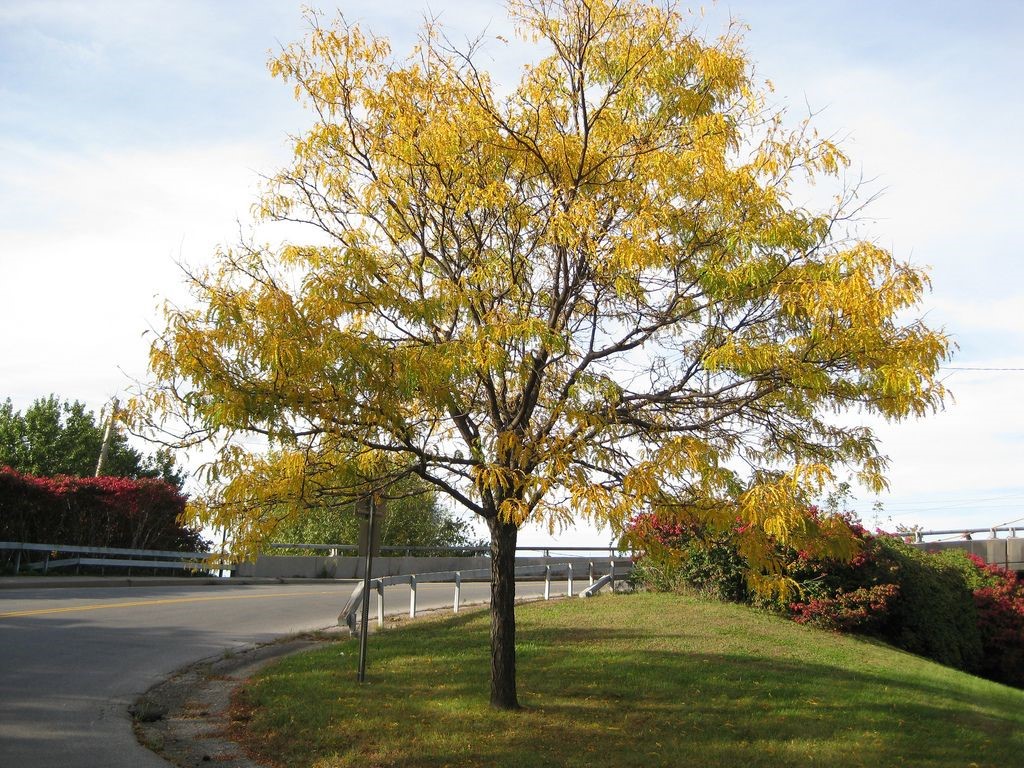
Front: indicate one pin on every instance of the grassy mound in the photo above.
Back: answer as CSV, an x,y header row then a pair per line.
x,y
637,680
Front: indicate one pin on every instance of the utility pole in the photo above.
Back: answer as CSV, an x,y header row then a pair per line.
x,y
107,437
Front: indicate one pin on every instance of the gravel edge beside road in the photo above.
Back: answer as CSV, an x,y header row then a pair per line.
x,y
184,719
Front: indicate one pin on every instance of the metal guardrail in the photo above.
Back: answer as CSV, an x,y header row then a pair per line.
x,y
966,533
607,579
173,560
349,613
457,551
135,558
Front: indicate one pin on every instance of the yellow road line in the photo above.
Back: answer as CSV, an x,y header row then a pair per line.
x,y
165,601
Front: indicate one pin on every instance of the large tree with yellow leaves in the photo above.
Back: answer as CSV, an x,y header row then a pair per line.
x,y
589,295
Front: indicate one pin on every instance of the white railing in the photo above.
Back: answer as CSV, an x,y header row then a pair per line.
x,y
595,576
608,579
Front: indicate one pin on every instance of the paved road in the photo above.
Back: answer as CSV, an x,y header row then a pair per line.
x,y
73,660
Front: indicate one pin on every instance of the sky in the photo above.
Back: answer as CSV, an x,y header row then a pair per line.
x,y
134,133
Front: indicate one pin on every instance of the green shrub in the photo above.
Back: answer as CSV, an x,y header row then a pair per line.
x,y
934,615
691,558
922,603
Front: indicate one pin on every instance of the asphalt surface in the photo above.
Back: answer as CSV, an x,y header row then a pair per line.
x,y
72,660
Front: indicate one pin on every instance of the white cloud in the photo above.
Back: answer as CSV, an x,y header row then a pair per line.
x,y
944,467
984,315
95,241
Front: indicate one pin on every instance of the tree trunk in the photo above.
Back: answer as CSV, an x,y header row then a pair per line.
x,y
503,615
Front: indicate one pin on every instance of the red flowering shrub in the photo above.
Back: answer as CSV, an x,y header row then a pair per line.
x,y
858,610
1000,606
94,511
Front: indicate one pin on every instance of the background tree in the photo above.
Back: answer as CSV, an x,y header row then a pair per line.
x,y
414,521
287,497
57,437
590,295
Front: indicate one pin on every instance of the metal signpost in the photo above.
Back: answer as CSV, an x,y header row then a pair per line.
x,y
366,509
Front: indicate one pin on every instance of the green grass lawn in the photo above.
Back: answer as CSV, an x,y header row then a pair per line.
x,y
629,680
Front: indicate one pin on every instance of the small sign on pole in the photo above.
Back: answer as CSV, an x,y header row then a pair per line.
x,y
369,536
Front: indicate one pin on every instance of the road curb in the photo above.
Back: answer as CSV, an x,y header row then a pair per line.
x,y
185,719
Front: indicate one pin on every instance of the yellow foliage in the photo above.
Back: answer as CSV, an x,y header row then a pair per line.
x,y
588,296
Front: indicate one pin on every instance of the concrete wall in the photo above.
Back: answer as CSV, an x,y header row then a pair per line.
x,y
1015,554
309,567
1009,553
340,567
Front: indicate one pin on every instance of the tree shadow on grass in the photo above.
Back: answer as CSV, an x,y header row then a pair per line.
x,y
597,695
